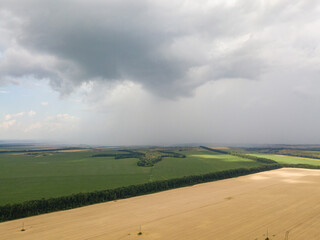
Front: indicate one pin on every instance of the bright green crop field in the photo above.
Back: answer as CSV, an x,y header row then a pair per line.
x,y
289,159
31,176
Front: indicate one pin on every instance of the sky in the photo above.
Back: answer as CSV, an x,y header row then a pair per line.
x,y
122,72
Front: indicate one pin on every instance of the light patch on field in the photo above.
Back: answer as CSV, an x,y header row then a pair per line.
x,y
223,157
295,174
294,181
294,157
205,156
259,177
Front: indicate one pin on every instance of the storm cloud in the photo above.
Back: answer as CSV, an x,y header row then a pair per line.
x,y
169,47
171,71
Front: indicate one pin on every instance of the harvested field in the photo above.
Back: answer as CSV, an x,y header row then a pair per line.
x,y
242,208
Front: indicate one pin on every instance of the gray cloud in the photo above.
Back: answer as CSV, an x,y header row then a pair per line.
x,y
239,71
169,48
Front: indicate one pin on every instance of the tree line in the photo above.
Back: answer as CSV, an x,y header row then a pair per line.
x,y
215,150
35,207
254,158
301,165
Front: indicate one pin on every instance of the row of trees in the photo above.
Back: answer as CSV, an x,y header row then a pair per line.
x,y
215,150
30,208
301,165
254,158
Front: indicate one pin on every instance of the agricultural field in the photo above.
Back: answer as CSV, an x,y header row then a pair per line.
x,y
300,153
274,204
45,174
297,151
285,159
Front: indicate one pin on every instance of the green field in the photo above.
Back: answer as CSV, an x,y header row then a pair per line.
x,y
289,159
30,176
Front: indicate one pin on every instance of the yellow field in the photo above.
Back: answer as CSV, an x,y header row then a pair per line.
x,y
243,208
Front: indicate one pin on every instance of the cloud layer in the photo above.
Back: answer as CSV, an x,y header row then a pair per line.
x,y
169,47
172,68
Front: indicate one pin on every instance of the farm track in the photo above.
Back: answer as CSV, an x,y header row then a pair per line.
x,y
240,208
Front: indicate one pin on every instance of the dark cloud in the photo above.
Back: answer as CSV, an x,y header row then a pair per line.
x,y
149,43
242,71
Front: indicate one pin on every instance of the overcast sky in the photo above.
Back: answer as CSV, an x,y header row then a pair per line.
x,y
122,72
